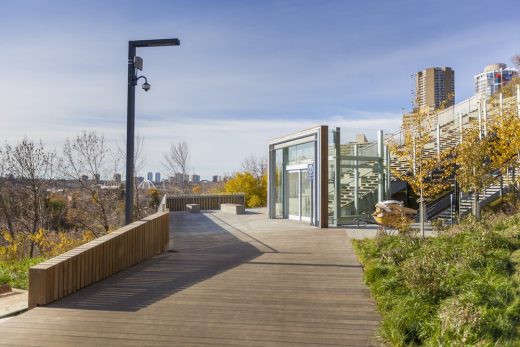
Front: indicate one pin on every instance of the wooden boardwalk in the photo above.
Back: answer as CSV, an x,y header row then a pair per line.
x,y
232,281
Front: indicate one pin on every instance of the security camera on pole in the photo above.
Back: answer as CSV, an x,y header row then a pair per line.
x,y
135,63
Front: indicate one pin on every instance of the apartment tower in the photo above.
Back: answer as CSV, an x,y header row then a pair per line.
x,y
494,77
435,86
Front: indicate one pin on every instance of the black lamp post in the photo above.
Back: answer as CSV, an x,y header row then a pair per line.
x,y
135,63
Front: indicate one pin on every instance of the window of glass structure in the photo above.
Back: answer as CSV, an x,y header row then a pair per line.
x,y
302,153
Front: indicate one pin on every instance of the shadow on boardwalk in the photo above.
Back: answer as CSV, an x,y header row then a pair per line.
x,y
233,280
201,250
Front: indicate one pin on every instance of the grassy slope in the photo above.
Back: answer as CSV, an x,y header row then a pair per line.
x,y
458,289
16,273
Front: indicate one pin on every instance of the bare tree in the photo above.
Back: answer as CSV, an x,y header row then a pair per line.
x,y
516,60
256,165
89,155
31,168
176,160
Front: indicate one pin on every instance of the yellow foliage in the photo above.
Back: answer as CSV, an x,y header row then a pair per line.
x,y
49,244
474,165
505,137
11,249
428,174
255,190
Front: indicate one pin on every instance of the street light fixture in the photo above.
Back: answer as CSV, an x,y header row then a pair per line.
x,y
135,63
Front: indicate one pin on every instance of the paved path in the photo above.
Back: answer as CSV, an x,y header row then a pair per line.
x,y
232,281
13,302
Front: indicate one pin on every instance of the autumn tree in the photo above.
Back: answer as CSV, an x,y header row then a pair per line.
x,y
505,149
474,164
428,169
7,199
24,197
255,190
87,159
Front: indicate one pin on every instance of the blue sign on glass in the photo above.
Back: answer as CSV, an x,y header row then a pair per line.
x,y
310,172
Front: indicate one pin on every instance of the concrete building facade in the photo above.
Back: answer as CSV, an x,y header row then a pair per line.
x,y
435,86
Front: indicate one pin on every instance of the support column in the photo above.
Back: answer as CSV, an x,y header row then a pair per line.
x,y
356,181
271,184
337,176
414,159
322,179
438,133
518,100
484,109
388,174
460,128
480,120
380,155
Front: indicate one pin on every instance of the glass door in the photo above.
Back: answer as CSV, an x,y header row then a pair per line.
x,y
305,196
299,195
293,198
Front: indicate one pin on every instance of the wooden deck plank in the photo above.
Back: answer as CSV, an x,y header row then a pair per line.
x,y
237,280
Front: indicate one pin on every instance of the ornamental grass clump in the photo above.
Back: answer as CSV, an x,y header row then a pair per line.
x,y
460,288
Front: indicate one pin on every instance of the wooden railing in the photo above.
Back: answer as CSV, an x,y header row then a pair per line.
x,y
98,259
206,202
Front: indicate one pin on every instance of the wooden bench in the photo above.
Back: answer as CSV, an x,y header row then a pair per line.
x,y
193,208
233,208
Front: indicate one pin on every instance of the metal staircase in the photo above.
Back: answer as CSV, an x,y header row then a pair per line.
x,y
446,128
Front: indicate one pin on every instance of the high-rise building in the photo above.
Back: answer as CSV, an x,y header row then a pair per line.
x,y
435,86
195,178
149,176
157,177
493,78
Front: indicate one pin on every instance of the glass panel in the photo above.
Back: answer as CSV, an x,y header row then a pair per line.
x,y
301,153
306,194
332,175
293,182
279,201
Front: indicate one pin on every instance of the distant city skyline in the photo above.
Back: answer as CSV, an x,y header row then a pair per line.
x,y
245,72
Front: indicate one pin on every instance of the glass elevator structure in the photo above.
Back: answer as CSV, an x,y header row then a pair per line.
x,y
325,179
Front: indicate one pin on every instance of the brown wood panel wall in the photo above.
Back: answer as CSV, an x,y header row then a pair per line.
x,y
62,275
209,202
324,176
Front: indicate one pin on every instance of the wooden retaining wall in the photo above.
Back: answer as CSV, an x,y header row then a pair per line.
x,y
98,259
206,202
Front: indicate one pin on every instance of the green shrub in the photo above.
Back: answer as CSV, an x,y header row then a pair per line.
x,y
15,273
460,288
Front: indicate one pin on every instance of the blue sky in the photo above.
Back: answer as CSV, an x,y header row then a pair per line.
x,y
246,71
